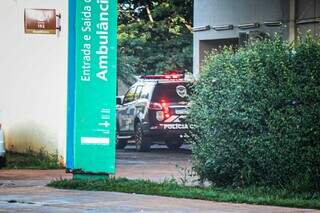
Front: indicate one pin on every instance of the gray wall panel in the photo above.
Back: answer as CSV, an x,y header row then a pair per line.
x,y
235,12
217,12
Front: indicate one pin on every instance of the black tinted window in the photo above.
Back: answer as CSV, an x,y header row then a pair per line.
x,y
173,92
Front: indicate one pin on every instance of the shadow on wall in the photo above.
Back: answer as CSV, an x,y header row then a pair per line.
x,y
29,135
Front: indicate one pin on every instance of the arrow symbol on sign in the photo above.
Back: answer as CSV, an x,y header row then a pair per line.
x,y
106,124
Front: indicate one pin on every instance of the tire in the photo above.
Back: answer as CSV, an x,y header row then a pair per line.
x,y
120,143
143,143
174,143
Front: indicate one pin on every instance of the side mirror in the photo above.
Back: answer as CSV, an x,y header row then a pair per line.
x,y
119,100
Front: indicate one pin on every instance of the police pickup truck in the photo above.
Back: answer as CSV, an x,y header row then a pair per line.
x,y
154,110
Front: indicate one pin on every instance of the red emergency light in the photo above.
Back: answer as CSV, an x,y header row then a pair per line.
x,y
170,75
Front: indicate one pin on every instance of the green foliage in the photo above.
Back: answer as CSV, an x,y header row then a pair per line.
x,y
156,41
256,114
252,195
33,160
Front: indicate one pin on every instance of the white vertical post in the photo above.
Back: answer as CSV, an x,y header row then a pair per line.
x,y
292,21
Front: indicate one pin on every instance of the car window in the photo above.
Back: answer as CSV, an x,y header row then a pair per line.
x,y
138,92
173,92
146,91
129,97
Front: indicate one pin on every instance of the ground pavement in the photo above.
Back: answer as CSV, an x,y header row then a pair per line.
x,y
25,190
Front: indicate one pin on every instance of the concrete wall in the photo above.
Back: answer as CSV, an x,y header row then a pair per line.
x,y
33,79
292,13
206,46
235,12
307,10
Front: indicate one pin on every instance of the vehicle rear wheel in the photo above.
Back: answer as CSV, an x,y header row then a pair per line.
x,y
174,143
143,143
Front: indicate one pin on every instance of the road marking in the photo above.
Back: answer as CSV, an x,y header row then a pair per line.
x,y
95,141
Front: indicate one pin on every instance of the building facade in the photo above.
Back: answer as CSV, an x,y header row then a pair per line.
x,y
33,79
232,22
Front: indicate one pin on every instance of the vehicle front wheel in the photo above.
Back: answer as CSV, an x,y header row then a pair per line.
x,y
120,143
143,143
174,143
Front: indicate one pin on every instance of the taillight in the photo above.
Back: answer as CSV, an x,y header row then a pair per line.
x,y
165,109
162,108
155,106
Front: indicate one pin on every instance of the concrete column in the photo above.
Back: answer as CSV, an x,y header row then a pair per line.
x,y
292,21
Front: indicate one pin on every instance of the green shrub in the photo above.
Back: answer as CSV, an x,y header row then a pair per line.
x,y
33,160
256,114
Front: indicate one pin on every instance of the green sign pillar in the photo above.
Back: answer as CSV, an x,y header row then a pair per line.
x,y
92,98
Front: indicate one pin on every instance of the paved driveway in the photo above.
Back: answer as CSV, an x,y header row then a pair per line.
x,y
43,199
157,165
25,190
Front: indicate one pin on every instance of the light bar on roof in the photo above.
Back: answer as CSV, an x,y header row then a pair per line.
x,y
152,77
172,76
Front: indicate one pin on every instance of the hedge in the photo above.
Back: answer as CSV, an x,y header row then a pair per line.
x,y
256,116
